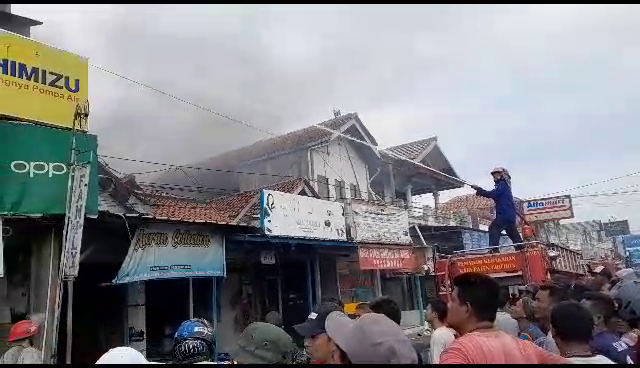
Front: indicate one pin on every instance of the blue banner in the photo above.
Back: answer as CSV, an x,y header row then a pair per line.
x,y
167,251
479,239
632,246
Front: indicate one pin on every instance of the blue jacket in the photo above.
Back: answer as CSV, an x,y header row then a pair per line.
x,y
505,206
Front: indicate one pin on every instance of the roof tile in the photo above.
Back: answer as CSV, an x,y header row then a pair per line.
x,y
221,210
412,150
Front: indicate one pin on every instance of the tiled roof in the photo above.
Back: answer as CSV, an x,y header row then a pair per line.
x,y
483,207
221,210
282,143
412,150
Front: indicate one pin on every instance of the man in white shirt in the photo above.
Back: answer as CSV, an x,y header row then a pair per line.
x,y
504,321
572,329
442,336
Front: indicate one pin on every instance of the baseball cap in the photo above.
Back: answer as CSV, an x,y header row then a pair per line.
x,y
371,339
263,343
315,323
123,355
602,270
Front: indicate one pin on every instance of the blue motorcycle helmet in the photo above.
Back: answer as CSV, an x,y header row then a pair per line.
x,y
194,341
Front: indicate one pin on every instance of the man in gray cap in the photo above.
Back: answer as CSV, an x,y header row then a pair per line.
x,y
370,339
316,341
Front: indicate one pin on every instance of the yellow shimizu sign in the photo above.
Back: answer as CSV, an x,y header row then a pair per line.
x,y
39,83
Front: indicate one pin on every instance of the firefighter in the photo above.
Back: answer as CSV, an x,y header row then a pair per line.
x,y
505,209
22,351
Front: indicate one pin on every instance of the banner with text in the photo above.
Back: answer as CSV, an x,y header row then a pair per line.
x,y
386,258
379,223
40,83
548,209
285,214
166,251
34,169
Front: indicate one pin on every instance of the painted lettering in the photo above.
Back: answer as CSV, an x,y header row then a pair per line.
x,y
42,76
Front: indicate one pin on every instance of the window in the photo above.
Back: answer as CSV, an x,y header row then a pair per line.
x,y
323,187
340,189
355,191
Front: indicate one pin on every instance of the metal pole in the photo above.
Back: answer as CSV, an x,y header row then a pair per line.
x,y
69,320
215,319
191,297
309,288
419,296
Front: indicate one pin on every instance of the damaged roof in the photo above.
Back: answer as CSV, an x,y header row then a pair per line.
x,y
412,150
227,210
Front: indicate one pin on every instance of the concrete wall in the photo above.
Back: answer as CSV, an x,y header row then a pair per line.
x,y
136,314
282,168
335,161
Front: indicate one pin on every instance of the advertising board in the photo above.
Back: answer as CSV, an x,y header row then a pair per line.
x,y
379,223
40,83
284,214
547,209
165,251
616,228
386,258
34,169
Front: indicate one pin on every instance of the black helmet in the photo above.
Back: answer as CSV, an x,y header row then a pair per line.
x,y
194,341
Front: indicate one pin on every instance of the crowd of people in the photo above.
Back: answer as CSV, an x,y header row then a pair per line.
x,y
559,322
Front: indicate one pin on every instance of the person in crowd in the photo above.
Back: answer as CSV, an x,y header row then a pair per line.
x,y
194,342
572,329
601,276
504,321
604,341
546,298
22,350
316,341
264,343
529,290
523,312
362,309
332,299
123,355
387,306
370,339
505,209
472,312
274,318
442,336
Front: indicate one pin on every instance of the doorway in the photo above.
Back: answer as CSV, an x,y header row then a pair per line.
x,y
295,299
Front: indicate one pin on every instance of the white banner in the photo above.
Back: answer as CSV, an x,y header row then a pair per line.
x,y
284,214
548,209
75,220
380,223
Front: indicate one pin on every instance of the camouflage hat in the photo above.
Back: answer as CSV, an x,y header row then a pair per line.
x,y
264,343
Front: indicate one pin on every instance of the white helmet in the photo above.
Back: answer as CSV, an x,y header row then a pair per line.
x,y
501,170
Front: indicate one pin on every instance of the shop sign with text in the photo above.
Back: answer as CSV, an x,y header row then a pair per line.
x,y
165,251
386,258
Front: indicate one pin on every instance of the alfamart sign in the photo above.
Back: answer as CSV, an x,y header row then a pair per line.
x,y
165,251
548,209
34,169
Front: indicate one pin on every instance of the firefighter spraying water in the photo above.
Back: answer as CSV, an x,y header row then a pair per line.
x,y
21,338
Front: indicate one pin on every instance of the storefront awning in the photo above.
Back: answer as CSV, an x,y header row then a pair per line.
x,y
288,240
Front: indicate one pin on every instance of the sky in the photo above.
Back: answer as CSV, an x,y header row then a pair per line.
x,y
548,91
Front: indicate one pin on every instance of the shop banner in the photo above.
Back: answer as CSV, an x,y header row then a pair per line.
x,y
34,169
386,258
284,214
632,247
166,251
375,223
40,83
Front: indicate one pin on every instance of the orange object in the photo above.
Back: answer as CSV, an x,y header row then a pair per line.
x,y
532,265
23,330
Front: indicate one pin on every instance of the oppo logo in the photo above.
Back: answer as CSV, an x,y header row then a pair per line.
x,y
38,168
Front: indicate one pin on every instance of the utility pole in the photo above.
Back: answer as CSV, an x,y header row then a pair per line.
x,y
77,192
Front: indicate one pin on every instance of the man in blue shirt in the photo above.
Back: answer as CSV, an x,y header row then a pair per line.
x,y
605,342
505,209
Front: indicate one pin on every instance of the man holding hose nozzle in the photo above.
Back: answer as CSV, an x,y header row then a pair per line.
x,y
505,209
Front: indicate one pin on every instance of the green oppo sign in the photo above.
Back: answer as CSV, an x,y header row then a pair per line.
x,y
34,168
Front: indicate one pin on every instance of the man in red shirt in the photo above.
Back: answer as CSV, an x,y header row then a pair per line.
x,y
472,312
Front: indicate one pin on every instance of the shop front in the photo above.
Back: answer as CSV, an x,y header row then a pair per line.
x,y
286,267
171,272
